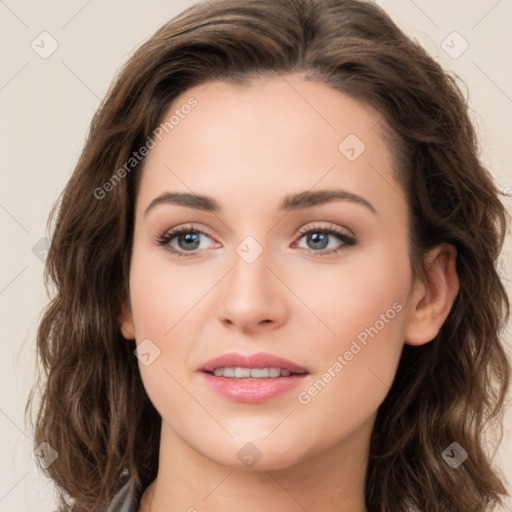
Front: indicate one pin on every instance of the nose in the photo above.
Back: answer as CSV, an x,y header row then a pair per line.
x,y
253,296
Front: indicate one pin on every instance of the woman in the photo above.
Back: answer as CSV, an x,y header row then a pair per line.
x,y
330,341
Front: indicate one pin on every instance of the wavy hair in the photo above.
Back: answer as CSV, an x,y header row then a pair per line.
x,y
93,408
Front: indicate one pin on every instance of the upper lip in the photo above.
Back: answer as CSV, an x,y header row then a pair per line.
x,y
260,360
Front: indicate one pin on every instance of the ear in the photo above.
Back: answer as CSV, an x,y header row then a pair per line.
x,y
432,300
125,319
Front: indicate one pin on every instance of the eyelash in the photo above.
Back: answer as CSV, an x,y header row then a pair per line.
x,y
165,238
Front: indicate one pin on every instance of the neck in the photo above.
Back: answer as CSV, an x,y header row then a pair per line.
x,y
330,481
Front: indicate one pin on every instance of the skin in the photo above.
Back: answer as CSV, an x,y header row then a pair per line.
x,y
248,147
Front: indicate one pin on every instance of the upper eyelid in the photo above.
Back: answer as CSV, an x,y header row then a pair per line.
x,y
326,226
320,225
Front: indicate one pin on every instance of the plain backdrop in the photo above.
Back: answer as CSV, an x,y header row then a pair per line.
x,y
47,102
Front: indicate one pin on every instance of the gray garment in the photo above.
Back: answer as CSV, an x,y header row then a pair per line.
x,y
125,499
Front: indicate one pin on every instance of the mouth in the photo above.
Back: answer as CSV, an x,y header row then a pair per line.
x,y
238,365
252,378
240,372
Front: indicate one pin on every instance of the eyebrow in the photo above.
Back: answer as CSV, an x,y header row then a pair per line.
x,y
291,202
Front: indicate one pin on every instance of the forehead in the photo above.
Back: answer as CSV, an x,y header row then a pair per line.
x,y
249,143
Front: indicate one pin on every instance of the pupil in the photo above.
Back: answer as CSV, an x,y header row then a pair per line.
x,y
314,237
189,239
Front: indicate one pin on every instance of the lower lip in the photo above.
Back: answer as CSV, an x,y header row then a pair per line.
x,y
252,390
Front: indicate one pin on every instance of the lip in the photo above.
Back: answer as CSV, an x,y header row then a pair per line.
x,y
260,360
250,390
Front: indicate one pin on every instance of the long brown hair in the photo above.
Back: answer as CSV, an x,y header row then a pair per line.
x,y
94,410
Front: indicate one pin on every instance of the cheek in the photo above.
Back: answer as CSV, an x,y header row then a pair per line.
x,y
356,366
162,294
166,302
363,298
357,358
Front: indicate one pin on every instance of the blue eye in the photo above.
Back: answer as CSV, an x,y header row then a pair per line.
x,y
188,240
186,236
319,239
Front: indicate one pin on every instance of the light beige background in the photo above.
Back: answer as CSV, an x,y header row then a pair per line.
x,y
47,105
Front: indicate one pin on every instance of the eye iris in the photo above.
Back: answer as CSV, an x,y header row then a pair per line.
x,y
316,238
189,238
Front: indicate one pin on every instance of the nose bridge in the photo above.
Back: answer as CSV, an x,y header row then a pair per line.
x,y
250,276
252,294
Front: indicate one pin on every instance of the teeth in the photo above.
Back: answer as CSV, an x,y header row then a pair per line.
x,y
273,372
255,373
230,372
242,372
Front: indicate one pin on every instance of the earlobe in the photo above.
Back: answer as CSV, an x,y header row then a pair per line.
x,y
125,319
433,299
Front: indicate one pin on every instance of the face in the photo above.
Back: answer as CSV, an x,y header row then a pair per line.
x,y
322,284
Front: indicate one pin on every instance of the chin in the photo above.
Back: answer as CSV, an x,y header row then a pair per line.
x,y
257,455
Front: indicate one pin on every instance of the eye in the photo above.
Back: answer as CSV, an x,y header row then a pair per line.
x,y
318,238
188,239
